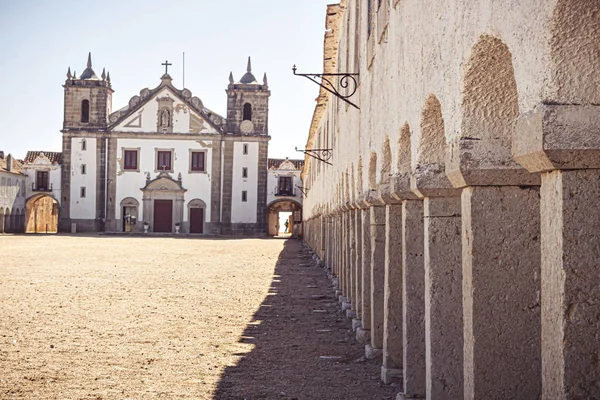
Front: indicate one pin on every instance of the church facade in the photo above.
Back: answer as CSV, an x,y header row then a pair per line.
x,y
164,162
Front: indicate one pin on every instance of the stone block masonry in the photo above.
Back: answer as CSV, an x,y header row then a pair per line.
x,y
484,150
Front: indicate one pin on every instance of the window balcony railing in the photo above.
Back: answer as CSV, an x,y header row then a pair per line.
x,y
41,188
283,192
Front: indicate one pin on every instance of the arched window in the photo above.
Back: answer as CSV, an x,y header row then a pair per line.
x,y
247,112
85,111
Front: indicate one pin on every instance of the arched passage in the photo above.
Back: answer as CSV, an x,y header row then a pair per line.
x,y
284,206
41,214
2,220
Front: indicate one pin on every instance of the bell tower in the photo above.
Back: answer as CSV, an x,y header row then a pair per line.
x,y
88,100
248,105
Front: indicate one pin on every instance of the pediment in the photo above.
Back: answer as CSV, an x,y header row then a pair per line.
x,y
166,109
163,182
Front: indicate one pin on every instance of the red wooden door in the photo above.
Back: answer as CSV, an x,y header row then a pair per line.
x,y
163,216
196,220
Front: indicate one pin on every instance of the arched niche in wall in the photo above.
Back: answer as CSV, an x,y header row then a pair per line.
x,y
372,172
575,53
481,154
429,177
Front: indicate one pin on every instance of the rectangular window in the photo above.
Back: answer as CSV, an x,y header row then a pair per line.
x,y
244,195
131,159
245,147
198,161
82,192
163,161
244,172
83,145
41,180
83,169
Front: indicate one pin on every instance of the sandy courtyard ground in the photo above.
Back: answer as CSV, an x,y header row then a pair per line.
x,y
104,317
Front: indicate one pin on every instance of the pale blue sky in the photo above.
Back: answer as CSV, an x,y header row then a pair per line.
x,y
131,38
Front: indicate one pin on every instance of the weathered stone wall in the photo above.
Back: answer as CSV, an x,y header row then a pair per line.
x,y
476,126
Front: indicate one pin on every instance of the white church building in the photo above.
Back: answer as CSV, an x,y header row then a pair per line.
x,y
165,160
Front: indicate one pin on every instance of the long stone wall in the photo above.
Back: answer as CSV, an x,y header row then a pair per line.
x,y
459,216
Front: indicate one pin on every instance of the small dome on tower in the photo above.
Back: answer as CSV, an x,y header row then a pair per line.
x,y
89,73
248,78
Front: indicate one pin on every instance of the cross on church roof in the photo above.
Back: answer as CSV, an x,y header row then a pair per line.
x,y
166,64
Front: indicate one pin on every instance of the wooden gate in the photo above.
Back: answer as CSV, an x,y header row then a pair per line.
x,y
196,220
163,216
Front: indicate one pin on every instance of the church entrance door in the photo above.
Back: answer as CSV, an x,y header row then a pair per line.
x,y
163,216
196,220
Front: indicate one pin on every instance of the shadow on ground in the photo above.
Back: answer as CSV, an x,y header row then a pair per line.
x,y
304,347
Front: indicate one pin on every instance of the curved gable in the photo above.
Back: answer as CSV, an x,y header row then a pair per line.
x,y
166,109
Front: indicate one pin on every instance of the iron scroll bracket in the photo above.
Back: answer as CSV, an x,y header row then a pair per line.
x,y
323,155
326,81
303,189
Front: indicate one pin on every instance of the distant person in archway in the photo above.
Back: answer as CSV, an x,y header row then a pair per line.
x,y
286,224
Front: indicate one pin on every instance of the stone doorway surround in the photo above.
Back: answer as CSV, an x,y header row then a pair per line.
x,y
162,188
196,204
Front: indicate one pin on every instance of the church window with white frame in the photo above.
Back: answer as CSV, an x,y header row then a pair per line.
x,y
164,160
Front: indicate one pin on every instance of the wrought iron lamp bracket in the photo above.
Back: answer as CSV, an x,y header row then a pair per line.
x,y
303,189
326,81
323,155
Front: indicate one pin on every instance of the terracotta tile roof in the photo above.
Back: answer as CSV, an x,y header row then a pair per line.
x,y
274,163
54,157
16,165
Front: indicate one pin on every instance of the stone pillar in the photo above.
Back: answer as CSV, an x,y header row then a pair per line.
x,y
443,298
375,347
358,268
501,258
562,143
391,369
346,258
413,302
349,262
363,334
351,312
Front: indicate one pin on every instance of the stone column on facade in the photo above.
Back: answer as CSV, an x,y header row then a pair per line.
x,y
344,257
500,271
562,143
215,188
111,186
413,302
443,282
338,251
351,311
363,334
356,322
332,249
392,195
391,369
377,219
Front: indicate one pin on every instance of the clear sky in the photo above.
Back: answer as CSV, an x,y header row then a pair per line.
x,y
40,39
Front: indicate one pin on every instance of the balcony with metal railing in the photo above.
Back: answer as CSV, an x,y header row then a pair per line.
x,y
285,192
41,187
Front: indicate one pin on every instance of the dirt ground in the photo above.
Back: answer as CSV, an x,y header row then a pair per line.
x,y
105,317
